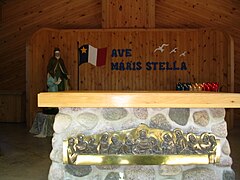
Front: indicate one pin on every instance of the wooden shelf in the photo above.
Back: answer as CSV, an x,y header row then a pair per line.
x,y
163,99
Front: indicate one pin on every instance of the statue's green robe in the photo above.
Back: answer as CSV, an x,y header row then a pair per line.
x,y
57,69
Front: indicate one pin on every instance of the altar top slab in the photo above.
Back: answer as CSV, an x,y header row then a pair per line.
x,y
162,99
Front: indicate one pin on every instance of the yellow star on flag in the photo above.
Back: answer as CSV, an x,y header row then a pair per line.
x,y
84,50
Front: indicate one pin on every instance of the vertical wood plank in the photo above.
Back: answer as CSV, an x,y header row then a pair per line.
x,y
136,13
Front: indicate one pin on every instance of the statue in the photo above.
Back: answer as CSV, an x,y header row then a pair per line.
x,y
72,154
115,146
181,142
192,145
57,78
213,143
57,73
81,146
127,146
52,83
208,143
155,146
204,143
168,146
92,146
142,144
103,144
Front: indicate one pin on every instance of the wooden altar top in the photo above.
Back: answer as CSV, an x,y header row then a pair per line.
x,y
162,99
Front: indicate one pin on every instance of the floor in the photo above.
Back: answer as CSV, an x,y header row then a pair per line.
x,y
233,138
23,156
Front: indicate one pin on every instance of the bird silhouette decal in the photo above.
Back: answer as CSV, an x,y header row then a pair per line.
x,y
161,48
173,50
183,54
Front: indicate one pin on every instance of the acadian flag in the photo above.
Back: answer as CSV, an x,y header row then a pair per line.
x,y
92,55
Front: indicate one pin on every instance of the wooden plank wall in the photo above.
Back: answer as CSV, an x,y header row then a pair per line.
x,y
206,49
12,106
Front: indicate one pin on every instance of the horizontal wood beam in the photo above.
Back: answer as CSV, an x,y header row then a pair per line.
x,y
163,99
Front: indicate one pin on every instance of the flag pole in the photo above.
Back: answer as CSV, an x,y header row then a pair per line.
x,y
78,64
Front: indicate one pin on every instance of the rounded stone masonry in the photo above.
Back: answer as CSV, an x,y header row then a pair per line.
x,y
108,167
228,175
56,155
139,173
167,170
140,113
158,109
160,121
179,115
112,176
87,120
74,130
225,161
217,112
69,110
199,173
78,171
129,123
201,118
114,114
220,129
62,121
226,148
104,128
56,171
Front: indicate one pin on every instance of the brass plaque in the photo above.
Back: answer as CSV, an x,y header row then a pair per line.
x,y
142,146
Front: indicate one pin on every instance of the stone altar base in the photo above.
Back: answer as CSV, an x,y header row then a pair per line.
x,y
70,122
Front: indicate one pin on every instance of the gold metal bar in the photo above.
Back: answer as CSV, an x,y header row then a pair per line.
x,y
141,159
65,152
218,152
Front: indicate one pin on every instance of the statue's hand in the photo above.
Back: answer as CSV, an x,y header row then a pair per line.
x,y
58,81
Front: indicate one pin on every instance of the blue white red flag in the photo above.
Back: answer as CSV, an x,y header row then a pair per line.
x,y
92,55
